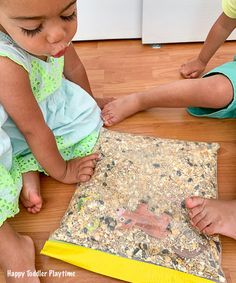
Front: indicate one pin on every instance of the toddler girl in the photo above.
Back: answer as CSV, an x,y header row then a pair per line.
x,y
56,119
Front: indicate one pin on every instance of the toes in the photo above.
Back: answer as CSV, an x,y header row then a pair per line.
x,y
109,122
34,208
198,218
210,230
203,224
106,117
38,206
105,110
29,209
33,202
194,201
195,211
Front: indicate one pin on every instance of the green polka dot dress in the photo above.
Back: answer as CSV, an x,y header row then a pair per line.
x,y
69,111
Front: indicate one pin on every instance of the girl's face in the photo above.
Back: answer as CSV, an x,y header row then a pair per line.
x,y
41,27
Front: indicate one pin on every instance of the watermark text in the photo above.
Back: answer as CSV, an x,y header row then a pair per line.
x,y
40,273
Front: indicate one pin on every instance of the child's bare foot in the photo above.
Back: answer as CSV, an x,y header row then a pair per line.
x,y
192,69
101,102
121,108
18,256
30,194
213,216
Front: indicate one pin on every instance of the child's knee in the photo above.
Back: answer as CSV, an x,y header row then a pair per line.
x,y
222,91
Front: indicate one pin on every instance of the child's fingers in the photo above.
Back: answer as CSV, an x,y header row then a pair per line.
x,y
90,163
85,174
184,74
194,75
88,170
190,75
93,156
84,178
87,163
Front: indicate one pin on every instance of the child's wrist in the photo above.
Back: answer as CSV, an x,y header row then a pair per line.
x,y
202,60
62,175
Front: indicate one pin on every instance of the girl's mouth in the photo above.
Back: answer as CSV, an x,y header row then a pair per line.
x,y
60,53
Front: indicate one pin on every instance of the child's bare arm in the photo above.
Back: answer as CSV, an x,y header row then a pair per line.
x,y
74,69
219,32
18,100
75,72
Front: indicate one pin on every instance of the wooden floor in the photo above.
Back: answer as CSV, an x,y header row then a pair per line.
x,y
117,68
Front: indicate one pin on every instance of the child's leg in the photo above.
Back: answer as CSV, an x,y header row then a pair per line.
x,y
211,92
30,194
16,254
213,216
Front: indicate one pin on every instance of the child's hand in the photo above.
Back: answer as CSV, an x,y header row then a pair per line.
x,y
80,169
101,102
192,69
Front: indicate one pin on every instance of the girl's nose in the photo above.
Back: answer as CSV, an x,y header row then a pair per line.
x,y
56,35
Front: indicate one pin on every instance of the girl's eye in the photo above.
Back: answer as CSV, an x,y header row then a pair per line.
x,y
70,17
32,32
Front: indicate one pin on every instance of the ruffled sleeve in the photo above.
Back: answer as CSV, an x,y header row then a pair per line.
x,y
11,50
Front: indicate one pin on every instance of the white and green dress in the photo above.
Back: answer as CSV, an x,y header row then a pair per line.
x,y
69,111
